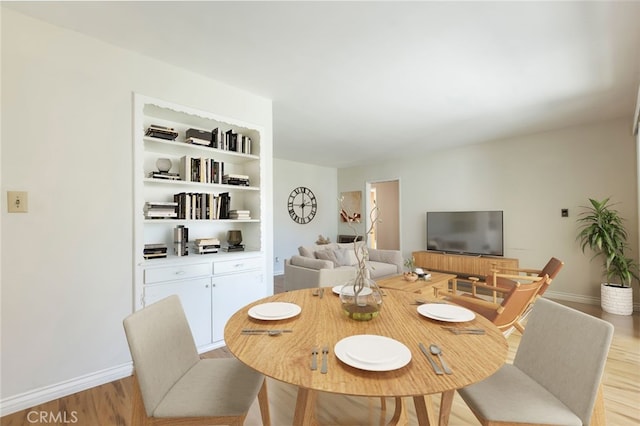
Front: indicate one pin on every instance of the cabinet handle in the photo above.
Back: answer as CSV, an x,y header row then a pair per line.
x,y
179,272
239,265
206,286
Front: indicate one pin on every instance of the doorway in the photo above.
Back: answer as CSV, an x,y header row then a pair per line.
x,y
386,195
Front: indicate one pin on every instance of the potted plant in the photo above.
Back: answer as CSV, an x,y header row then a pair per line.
x,y
410,264
602,231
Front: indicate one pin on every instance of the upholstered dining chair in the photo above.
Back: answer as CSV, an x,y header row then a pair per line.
x,y
555,376
173,385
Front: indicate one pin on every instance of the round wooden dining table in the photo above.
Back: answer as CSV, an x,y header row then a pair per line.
x,y
287,357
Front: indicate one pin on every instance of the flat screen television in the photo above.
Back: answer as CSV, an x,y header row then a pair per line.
x,y
466,232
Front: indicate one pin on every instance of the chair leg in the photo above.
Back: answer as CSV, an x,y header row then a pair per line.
x,y
598,417
138,412
263,401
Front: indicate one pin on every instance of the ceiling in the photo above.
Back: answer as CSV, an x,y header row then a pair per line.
x,y
356,83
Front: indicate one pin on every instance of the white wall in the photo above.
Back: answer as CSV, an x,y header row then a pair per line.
x,y
67,140
530,178
290,235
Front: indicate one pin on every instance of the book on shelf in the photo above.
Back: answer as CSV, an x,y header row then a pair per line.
x,y
240,214
164,175
160,209
156,250
241,180
161,132
197,141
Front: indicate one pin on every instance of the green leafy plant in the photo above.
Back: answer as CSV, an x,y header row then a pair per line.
x,y
602,231
410,264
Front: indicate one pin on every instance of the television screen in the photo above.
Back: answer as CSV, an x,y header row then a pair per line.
x,y
471,232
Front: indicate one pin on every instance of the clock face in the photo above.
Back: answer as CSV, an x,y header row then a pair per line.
x,y
302,205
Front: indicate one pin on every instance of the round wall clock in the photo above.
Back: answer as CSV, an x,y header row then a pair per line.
x,y
302,205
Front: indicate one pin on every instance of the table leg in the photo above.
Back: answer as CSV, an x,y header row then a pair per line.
x,y
424,410
445,407
305,407
399,414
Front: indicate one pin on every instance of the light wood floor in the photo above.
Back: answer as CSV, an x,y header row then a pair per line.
x,y
109,404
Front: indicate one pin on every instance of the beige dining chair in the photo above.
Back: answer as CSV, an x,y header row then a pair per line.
x,y
555,376
173,385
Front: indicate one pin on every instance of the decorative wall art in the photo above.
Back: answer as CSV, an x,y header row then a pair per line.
x,y
351,206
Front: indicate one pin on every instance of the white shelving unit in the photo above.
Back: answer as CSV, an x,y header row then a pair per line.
x,y
211,286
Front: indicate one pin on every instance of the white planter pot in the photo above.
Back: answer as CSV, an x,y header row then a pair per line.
x,y
616,300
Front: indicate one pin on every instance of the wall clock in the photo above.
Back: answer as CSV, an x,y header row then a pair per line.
x,y
302,205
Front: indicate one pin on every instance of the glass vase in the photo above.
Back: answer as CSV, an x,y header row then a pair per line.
x,y
361,299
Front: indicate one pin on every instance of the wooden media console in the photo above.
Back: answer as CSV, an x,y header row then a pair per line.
x,y
462,265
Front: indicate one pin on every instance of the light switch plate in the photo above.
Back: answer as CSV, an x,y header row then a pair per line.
x,y
17,201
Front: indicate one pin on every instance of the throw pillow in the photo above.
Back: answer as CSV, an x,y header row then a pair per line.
x,y
345,257
303,251
327,255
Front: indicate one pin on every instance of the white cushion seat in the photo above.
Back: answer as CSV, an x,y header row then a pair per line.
x,y
204,390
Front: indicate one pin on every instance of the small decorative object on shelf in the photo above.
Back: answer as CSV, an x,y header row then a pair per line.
x,y
234,239
180,239
163,165
361,299
322,240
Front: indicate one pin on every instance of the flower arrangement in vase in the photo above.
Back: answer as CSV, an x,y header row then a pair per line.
x,y
361,298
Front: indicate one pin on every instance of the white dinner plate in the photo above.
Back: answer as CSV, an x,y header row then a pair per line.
x,y
372,352
444,312
274,311
349,290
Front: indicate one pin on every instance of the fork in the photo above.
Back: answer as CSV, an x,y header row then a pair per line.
x,y
325,352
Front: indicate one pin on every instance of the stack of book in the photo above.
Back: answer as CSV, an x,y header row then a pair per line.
x,y
160,210
154,251
198,137
240,214
162,132
163,175
206,245
241,180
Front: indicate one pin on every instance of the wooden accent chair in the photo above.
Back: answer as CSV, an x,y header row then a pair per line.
x,y
174,386
505,277
556,374
517,299
502,281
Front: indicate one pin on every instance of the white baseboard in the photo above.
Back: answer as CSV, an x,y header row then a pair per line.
x,y
587,300
48,393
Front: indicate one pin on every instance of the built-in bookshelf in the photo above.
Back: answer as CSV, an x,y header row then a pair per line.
x,y
198,175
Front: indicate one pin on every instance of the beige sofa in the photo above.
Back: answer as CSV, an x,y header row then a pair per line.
x,y
335,264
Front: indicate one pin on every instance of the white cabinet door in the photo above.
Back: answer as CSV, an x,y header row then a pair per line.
x,y
195,296
232,292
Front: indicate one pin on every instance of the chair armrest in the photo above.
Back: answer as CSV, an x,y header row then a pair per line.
x,y
393,257
310,263
470,300
519,277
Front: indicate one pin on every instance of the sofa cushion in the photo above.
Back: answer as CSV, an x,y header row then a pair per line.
x,y
311,262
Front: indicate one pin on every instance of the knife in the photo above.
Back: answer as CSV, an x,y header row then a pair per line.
x,y
426,353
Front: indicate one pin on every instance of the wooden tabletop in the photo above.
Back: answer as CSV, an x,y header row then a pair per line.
x,y
287,357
